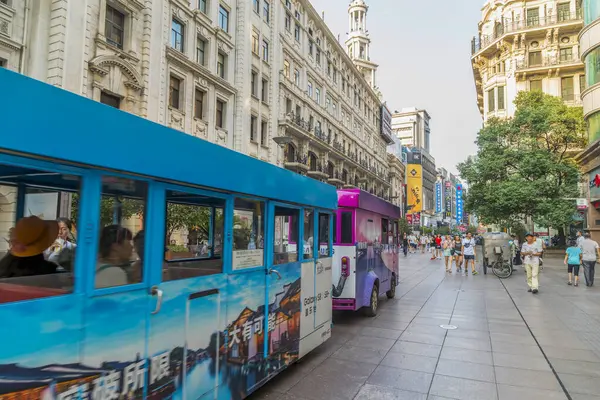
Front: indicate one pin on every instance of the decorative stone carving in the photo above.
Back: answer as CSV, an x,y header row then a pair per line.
x,y
201,130
221,137
224,47
100,66
4,27
176,120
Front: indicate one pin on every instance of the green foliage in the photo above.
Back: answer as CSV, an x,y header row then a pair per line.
x,y
472,229
524,166
179,216
403,226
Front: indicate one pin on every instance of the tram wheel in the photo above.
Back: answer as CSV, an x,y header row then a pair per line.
x,y
371,310
392,292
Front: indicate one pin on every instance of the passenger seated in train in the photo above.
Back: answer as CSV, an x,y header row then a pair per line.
x,y
62,251
28,240
115,251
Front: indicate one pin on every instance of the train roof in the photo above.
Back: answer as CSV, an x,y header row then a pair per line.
x,y
357,198
41,120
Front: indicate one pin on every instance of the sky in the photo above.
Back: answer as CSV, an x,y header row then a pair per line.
x,y
423,49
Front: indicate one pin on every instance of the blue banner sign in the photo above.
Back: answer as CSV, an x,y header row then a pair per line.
x,y
438,197
459,204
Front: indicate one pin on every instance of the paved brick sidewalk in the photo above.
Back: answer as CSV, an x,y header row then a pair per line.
x,y
493,354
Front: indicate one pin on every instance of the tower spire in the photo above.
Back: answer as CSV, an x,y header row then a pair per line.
x,y
359,42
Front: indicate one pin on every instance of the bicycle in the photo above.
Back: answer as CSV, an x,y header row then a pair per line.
x,y
500,267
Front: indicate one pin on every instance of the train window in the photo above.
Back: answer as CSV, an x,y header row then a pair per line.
x,y
38,239
194,236
346,227
248,234
309,227
324,243
285,249
335,228
121,246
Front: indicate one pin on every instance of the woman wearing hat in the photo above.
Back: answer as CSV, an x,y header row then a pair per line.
x,y
29,239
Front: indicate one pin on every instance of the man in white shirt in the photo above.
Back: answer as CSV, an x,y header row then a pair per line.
x,y
468,251
531,252
590,253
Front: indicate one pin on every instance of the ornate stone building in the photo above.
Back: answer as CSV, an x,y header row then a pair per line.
x,y
331,112
530,45
264,77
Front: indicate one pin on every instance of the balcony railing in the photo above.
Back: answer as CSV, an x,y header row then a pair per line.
x,y
547,61
483,41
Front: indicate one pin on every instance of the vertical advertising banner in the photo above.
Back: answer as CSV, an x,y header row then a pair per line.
x,y
459,204
438,197
448,200
414,182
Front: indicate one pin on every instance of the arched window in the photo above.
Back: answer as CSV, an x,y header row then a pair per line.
x,y
330,169
345,176
312,161
290,153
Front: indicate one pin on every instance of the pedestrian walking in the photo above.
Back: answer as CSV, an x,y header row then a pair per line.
x,y
516,250
457,253
438,246
573,261
542,245
412,240
580,238
447,246
468,251
531,252
405,244
423,243
590,253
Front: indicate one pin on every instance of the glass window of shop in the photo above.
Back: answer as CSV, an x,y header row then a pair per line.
x,y
592,67
594,127
591,11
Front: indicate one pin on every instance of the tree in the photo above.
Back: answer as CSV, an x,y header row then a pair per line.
x,y
524,166
179,216
403,226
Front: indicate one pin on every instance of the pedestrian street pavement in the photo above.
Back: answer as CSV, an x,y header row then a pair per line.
x,y
508,344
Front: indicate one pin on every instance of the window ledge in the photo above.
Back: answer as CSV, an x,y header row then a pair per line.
x,y
177,110
123,53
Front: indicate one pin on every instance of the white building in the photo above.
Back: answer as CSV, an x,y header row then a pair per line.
x,y
411,126
239,73
529,45
589,159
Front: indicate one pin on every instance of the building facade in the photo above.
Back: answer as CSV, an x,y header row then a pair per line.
x,y
589,159
411,126
527,45
331,112
263,77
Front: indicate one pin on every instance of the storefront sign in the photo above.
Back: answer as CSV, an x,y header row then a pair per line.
x,y
582,204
